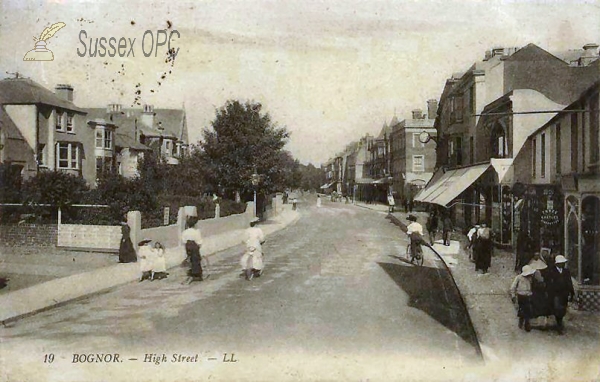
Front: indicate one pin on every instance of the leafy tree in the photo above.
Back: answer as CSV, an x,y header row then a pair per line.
x,y
311,177
54,187
243,140
10,183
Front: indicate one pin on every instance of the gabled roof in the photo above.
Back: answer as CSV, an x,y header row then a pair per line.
x,y
385,131
123,140
532,52
23,91
8,126
172,121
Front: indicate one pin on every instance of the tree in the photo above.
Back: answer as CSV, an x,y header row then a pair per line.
x,y
243,141
54,187
10,183
312,177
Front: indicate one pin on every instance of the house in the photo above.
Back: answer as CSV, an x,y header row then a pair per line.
x,y
163,131
412,153
558,190
484,119
379,165
45,130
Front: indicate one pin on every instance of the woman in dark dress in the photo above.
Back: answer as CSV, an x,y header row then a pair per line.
x,y
126,250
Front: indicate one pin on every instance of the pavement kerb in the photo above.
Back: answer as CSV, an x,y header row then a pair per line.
x,y
40,297
477,332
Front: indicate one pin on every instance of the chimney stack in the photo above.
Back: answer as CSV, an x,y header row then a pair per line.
x,y
417,114
432,105
64,91
590,53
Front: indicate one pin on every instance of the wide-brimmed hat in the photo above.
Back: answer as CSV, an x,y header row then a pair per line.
x,y
412,218
560,259
527,270
145,241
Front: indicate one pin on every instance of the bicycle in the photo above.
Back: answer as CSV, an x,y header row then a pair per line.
x,y
419,258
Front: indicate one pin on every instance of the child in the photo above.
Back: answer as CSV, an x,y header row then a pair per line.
x,y
521,292
159,269
145,253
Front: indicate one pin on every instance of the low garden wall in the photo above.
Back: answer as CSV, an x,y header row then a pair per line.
x,y
100,237
30,235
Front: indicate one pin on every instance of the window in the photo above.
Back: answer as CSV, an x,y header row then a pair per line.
x,y
459,151
68,155
69,123
472,150
557,149
58,121
472,99
416,142
418,163
533,155
594,130
107,139
104,164
99,138
41,158
543,155
574,142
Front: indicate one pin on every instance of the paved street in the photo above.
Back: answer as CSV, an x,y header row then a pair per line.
x,y
337,302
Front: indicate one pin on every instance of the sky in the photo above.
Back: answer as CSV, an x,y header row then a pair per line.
x,y
329,71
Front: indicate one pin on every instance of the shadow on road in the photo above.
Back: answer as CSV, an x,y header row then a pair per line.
x,y
431,290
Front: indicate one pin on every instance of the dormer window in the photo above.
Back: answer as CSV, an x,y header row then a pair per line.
x,y
59,121
70,123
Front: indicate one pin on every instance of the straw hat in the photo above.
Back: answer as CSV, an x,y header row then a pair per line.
x,y
527,270
145,241
560,259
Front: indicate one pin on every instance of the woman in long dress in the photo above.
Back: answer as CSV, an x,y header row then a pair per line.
x,y
146,253
192,239
319,201
254,238
126,250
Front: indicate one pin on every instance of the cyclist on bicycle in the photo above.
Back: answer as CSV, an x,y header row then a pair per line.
x,y
415,231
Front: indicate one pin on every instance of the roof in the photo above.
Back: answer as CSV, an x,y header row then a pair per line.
x,y
123,140
571,106
8,126
23,91
172,121
385,131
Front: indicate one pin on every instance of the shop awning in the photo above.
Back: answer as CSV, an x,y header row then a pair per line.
x,y
383,180
364,181
451,184
504,169
326,186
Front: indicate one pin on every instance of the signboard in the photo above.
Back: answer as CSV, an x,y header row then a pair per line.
x,y
166,216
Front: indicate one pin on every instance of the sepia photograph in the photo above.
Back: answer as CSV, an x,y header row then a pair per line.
x,y
284,190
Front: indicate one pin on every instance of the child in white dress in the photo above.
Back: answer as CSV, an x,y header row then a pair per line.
x,y
159,269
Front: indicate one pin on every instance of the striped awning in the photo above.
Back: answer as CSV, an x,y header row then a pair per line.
x,y
445,188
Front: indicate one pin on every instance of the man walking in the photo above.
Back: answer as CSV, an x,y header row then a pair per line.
x,y
560,290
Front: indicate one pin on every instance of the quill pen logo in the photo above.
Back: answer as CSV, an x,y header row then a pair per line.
x,y
40,52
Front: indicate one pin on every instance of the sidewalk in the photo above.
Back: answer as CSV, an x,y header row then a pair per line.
x,y
23,302
509,352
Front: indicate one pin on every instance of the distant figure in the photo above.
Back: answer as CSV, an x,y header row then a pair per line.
x,y
126,250
521,292
192,239
448,227
146,255
294,201
432,226
524,250
560,290
159,268
485,248
318,201
254,239
472,236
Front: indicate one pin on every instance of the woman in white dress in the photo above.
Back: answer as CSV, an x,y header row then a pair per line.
x,y
146,256
319,201
254,238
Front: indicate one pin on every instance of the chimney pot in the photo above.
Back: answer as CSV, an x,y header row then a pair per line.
x,y
64,91
432,105
417,114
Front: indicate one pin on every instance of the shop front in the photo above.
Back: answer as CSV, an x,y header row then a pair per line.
x,y
582,242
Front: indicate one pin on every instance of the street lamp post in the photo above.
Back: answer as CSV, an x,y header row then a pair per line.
x,y
255,181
